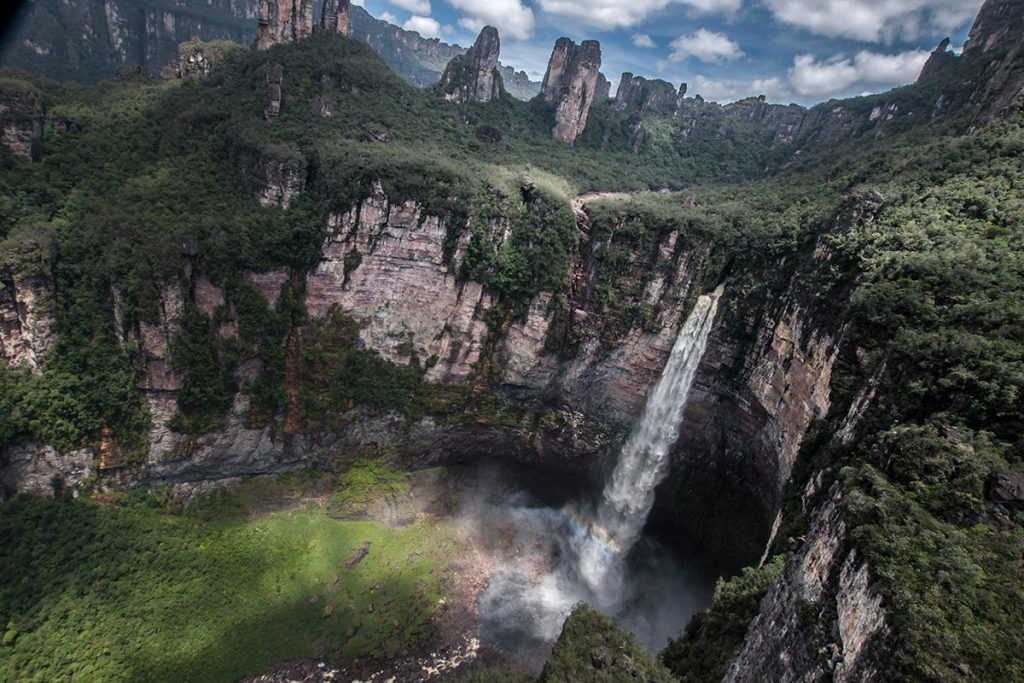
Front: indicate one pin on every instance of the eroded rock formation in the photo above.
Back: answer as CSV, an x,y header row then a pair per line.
x,y
644,95
21,118
335,17
571,85
821,619
27,315
474,76
283,21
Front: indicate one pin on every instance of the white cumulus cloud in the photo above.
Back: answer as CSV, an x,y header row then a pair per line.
x,y
719,90
874,20
420,7
425,26
713,48
609,14
510,17
388,17
810,77
643,40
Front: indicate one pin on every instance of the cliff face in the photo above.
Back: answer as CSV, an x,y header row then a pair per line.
x,y
644,95
473,77
335,16
87,40
27,317
765,376
282,21
988,77
21,118
822,619
571,85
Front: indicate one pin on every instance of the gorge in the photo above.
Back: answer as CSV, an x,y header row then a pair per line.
x,y
309,370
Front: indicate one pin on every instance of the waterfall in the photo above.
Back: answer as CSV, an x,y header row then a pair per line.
x,y
629,494
590,564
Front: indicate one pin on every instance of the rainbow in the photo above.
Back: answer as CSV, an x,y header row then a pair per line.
x,y
590,528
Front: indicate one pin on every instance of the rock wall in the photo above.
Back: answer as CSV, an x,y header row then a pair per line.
x,y
822,619
27,317
272,181
335,16
570,83
644,95
988,76
765,377
384,265
282,21
86,40
21,119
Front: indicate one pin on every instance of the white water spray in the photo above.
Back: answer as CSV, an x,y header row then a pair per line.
x,y
629,495
594,547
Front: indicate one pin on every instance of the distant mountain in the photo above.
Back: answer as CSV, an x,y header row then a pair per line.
x,y
89,40
421,61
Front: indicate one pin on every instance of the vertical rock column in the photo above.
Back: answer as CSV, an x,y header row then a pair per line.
x,y
571,84
283,21
474,76
335,16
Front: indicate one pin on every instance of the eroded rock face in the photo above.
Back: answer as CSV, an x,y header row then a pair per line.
x,y
994,56
822,619
765,377
283,21
474,76
31,468
644,95
571,85
335,17
402,290
27,317
272,181
21,119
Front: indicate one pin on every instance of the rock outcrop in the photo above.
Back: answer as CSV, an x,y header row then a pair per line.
x,y
273,180
822,619
644,95
197,59
27,316
474,76
282,21
335,17
571,85
272,78
21,117
988,77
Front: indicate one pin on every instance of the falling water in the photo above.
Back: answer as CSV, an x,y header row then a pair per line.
x,y
594,547
629,494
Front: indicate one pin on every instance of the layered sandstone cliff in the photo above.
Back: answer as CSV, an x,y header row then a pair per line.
x,y
282,21
822,619
335,16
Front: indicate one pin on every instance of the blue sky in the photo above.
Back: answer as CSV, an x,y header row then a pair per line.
x,y
803,51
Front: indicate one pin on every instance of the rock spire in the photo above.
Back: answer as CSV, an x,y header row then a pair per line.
x,y
571,83
474,76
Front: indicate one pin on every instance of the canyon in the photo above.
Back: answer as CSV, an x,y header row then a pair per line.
x,y
548,377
